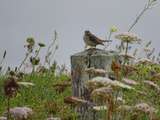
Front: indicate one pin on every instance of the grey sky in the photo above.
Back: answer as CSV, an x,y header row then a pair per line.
x,y
20,19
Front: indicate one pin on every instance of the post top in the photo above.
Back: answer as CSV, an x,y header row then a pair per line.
x,y
95,52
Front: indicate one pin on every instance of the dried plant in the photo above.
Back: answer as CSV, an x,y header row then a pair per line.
x,y
106,93
74,101
130,82
152,85
149,5
35,60
147,109
30,47
53,47
60,87
116,68
10,89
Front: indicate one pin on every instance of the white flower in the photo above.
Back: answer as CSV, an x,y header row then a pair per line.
x,y
129,82
21,113
128,37
104,82
53,118
127,56
145,61
152,84
3,118
94,71
144,107
105,92
113,29
120,100
99,108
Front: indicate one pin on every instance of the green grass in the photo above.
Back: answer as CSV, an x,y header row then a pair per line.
x,y
44,100
42,97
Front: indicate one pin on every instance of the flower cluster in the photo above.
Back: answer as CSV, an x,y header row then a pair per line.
x,y
10,87
128,37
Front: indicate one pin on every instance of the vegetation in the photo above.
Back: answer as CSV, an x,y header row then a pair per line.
x,y
132,93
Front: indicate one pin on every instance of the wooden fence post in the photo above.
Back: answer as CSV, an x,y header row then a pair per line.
x,y
96,58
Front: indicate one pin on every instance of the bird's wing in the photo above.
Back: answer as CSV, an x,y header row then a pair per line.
x,y
96,39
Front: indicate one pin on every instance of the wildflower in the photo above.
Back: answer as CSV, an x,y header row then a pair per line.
x,y
10,87
155,77
129,82
21,113
127,56
99,108
105,92
60,87
74,101
113,29
128,37
144,107
53,118
30,41
3,118
98,82
34,61
94,71
120,100
145,61
128,69
12,73
152,84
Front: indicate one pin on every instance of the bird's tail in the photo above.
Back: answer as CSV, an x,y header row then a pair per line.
x,y
106,40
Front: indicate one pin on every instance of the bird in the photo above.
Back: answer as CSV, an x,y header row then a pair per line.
x,y
91,40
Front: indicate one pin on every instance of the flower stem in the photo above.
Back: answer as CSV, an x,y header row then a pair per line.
x,y
27,55
8,108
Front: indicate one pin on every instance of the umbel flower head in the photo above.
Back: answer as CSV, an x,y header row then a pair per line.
x,y
105,92
30,44
10,87
98,82
30,41
34,60
144,107
21,113
128,37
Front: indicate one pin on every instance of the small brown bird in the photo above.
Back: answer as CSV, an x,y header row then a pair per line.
x,y
91,40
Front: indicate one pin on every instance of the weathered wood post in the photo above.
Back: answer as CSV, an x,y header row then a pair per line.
x,y
96,58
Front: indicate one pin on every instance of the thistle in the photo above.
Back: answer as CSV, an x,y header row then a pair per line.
x,y
10,90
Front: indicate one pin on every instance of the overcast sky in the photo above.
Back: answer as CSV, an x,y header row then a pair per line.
x,y
20,19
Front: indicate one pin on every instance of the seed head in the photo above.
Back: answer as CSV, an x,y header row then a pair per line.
x,y
10,87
